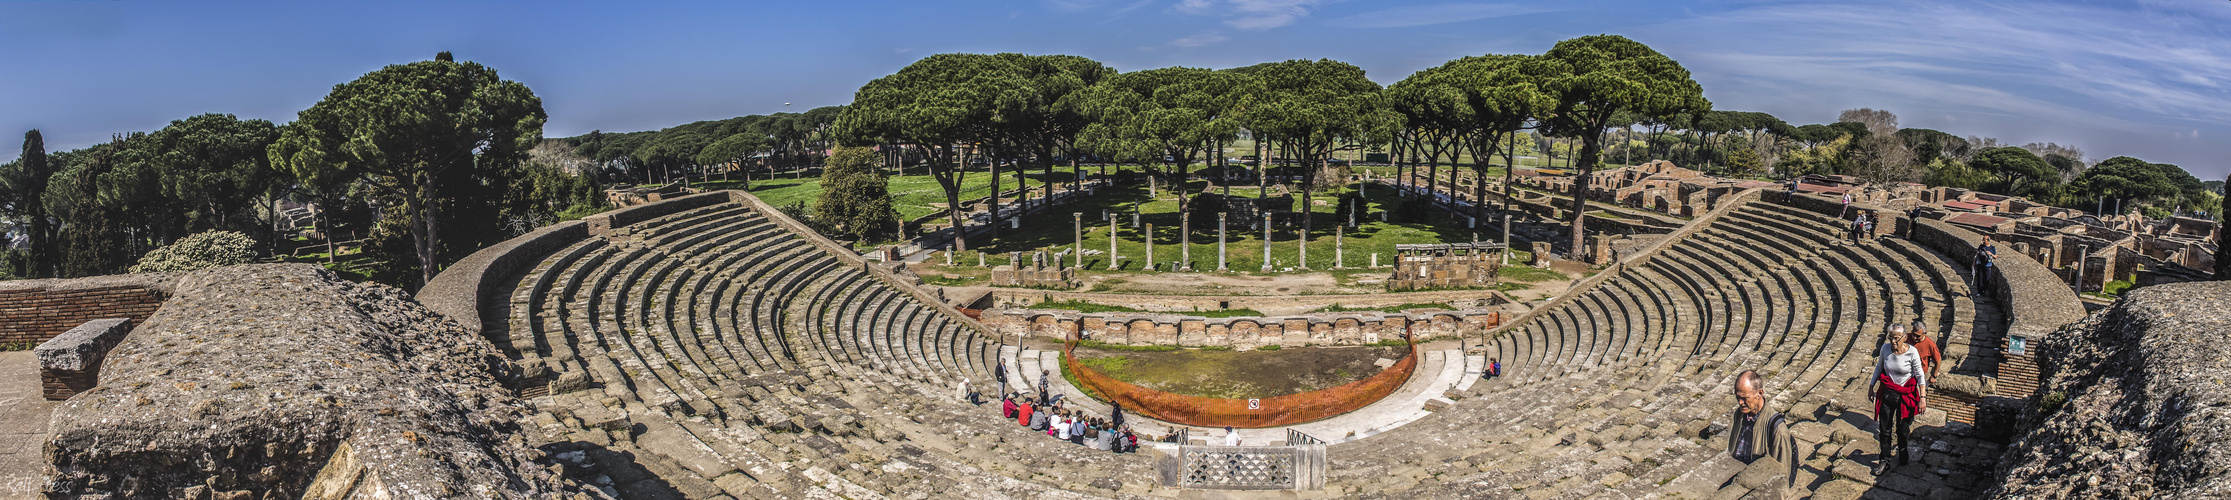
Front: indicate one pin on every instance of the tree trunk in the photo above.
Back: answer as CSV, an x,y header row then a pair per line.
x,y
1587,159
423,232
993,209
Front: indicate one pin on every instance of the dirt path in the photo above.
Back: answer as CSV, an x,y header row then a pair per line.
x,y
1240,374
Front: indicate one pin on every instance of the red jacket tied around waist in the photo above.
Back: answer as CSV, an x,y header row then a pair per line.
x,y
1901,401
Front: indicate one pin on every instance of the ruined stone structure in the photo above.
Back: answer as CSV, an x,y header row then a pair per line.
x,y
1445,265
283,381
1355,328
1038,270
1657,186
708,347
2133,403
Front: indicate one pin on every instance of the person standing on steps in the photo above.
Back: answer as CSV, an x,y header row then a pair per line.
x,y
1901,391
1115,417
1000,373
1846,212
1231,436
1914,220
1756,433
1985,256
1858,225
1043,384
1926,347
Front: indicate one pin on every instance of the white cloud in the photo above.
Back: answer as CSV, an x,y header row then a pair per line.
x,y
1199,40
1426,15
2134,60
1250,14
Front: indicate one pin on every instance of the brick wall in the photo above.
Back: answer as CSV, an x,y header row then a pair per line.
x,y
36,313
57,386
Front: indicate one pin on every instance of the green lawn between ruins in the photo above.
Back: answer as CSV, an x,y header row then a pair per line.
x,y
917,194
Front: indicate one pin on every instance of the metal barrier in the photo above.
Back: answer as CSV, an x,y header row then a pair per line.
x,y
1246,468
1299,438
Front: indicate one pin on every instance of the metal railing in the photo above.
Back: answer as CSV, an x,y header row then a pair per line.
x,y
1298,438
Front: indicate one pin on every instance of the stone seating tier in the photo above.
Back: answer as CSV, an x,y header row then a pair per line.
x,y
713,353
1608,394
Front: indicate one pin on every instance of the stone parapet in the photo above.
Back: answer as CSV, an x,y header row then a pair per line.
x,y
36,310
2035,299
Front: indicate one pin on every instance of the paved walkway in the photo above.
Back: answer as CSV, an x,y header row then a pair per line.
x,y
23,420
1438,372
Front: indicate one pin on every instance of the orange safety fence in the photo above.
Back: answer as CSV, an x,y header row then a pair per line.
x,y
1247,413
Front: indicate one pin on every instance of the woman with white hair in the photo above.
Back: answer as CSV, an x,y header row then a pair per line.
x,y
1901,389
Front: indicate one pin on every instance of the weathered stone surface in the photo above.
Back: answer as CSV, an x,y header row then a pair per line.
x,y
81,348
2145,389
253,380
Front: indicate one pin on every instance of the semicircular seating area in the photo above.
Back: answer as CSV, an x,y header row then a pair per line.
x,y
715,353
712,353
1616,392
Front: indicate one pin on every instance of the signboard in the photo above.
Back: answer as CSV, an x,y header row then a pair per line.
x,y
1254,404
2017,344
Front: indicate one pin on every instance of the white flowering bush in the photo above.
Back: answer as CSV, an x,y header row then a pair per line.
x,y
199,251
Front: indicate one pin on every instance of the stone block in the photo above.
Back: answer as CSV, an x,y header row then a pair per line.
x,y
81,348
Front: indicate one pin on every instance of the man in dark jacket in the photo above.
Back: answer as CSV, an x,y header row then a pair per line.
x,y
1756,434
1000,372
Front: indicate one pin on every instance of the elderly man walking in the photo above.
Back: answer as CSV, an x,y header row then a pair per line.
x,y
1755,434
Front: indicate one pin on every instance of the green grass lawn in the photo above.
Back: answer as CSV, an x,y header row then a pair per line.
x,y
914,195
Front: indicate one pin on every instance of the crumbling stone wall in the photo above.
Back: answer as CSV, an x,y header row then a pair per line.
x,y
284,381
37,310
2136,402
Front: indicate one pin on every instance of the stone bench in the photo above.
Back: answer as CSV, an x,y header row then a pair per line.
x,y
70,363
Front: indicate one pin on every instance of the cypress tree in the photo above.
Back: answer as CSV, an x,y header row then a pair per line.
x,y
29,181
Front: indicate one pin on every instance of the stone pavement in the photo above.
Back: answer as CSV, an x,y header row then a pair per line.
x,y
23,420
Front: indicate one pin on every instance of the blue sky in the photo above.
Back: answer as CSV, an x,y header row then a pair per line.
x,y
2145,79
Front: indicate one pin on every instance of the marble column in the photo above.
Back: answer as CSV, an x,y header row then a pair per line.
x,y
1222,221
1113,264
1149,234
1185,241
1266,241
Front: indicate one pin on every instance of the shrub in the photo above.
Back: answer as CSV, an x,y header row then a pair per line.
x,y
2052,401
1267,347
199,251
